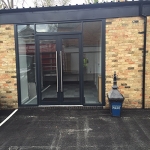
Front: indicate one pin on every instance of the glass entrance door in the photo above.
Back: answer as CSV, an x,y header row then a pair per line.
x,y
60,67
48,73
70,69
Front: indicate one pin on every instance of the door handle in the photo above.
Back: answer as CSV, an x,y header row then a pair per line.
x,y
56,71
61,70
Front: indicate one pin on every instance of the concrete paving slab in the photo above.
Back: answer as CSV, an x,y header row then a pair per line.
x,y
75,129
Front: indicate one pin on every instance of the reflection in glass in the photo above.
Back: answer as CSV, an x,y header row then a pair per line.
x,y
26,45
26,30
70,57
48,70
60,27
92,62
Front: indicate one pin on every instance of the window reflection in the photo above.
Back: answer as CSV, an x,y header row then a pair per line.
x,y
25,30
26,46
66,27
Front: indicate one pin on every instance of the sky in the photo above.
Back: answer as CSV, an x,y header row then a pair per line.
x,y
73,2
29,3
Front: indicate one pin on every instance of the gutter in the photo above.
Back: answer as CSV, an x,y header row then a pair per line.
x,y
144,61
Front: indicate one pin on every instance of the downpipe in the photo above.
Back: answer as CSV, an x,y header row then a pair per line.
x,y
144,62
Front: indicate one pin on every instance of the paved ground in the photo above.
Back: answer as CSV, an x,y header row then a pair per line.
x,y
70,129
4,114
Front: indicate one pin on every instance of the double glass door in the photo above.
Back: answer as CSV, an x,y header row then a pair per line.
x,y
60,69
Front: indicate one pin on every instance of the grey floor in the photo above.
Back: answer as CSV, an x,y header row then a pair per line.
x,y
90,93
75,129
71,90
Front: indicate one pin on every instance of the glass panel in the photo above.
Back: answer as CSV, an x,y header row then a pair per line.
x,y
70,57
92,61
26,45
59,27
48,69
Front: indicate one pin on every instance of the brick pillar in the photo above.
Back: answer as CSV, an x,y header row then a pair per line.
x,y
147,78
124,45
8,83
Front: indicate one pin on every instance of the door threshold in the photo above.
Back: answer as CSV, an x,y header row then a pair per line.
x,y
69,107
60,105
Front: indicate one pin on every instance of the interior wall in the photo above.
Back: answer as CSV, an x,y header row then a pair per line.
x,y
93,55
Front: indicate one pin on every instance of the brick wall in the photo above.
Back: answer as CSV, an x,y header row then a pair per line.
x,y
8,86
124,44
147,78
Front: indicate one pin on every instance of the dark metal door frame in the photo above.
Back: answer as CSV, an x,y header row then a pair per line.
x,y
60,95
77,36
39,77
